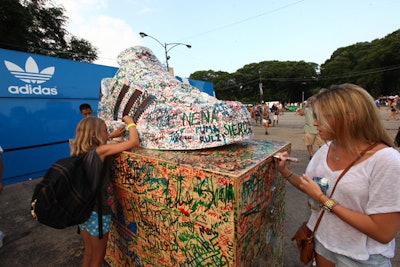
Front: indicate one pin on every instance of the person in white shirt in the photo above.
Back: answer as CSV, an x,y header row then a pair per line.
x,y
362,217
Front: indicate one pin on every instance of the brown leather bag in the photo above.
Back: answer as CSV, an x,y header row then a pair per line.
x,y
305,243
304,237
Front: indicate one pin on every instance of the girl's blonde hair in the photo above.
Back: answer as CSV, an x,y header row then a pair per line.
x,y
349,113
87,135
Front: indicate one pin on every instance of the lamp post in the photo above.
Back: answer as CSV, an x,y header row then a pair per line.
x,y
167,46
260,85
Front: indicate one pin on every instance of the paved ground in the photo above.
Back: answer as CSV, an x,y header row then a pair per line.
x,y
28,243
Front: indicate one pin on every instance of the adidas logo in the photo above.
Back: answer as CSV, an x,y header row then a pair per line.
x,y
31,75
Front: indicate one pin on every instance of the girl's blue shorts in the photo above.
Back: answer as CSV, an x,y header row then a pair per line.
x,y
92,224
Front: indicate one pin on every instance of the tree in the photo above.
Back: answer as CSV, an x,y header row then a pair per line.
x,y
38,26
14,25
81,50
373,65
282,81
220,79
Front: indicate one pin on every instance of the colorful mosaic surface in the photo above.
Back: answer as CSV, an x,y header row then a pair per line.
x,y
215,207
169,114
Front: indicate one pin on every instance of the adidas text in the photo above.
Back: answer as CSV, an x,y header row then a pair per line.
x,y
32,90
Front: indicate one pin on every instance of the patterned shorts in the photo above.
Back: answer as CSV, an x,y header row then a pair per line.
x,y
92,224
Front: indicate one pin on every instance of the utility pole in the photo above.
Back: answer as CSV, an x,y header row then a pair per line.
x,y
260,85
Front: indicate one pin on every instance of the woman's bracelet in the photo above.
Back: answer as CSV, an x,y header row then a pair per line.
x,y
329,205
131,125
287,177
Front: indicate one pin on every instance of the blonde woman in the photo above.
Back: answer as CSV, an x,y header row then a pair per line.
x,y
91,137
363,216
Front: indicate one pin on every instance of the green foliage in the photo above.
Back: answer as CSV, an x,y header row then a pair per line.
x,y
283,81
373,65
81,50
14,25
38,26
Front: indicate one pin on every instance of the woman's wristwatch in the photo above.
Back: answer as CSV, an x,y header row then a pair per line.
x,y
329,204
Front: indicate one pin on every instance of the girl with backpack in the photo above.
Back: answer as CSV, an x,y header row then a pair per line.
x,y
91,137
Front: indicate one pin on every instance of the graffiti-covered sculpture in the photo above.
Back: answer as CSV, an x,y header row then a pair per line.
x,y
169,114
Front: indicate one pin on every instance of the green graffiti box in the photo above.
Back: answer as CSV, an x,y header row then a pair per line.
x,y
216,207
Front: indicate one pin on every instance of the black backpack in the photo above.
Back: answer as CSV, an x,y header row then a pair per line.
x,y
65,197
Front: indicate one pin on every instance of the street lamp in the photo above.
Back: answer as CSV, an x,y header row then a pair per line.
x,y
167,46
260,86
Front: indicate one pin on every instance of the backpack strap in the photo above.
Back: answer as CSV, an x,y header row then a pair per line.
x,y
99,205
100,202
100,211
99,215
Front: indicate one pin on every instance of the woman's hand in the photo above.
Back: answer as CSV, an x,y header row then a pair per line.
x,y
281,161
127,119
311,188
304,183
118,132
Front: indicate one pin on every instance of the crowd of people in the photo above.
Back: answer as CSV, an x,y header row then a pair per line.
x,y
393,106
266,115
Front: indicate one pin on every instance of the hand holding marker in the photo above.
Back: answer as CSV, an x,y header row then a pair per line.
x,y
292,159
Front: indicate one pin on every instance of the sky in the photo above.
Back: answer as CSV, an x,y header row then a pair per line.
x,y
226,35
